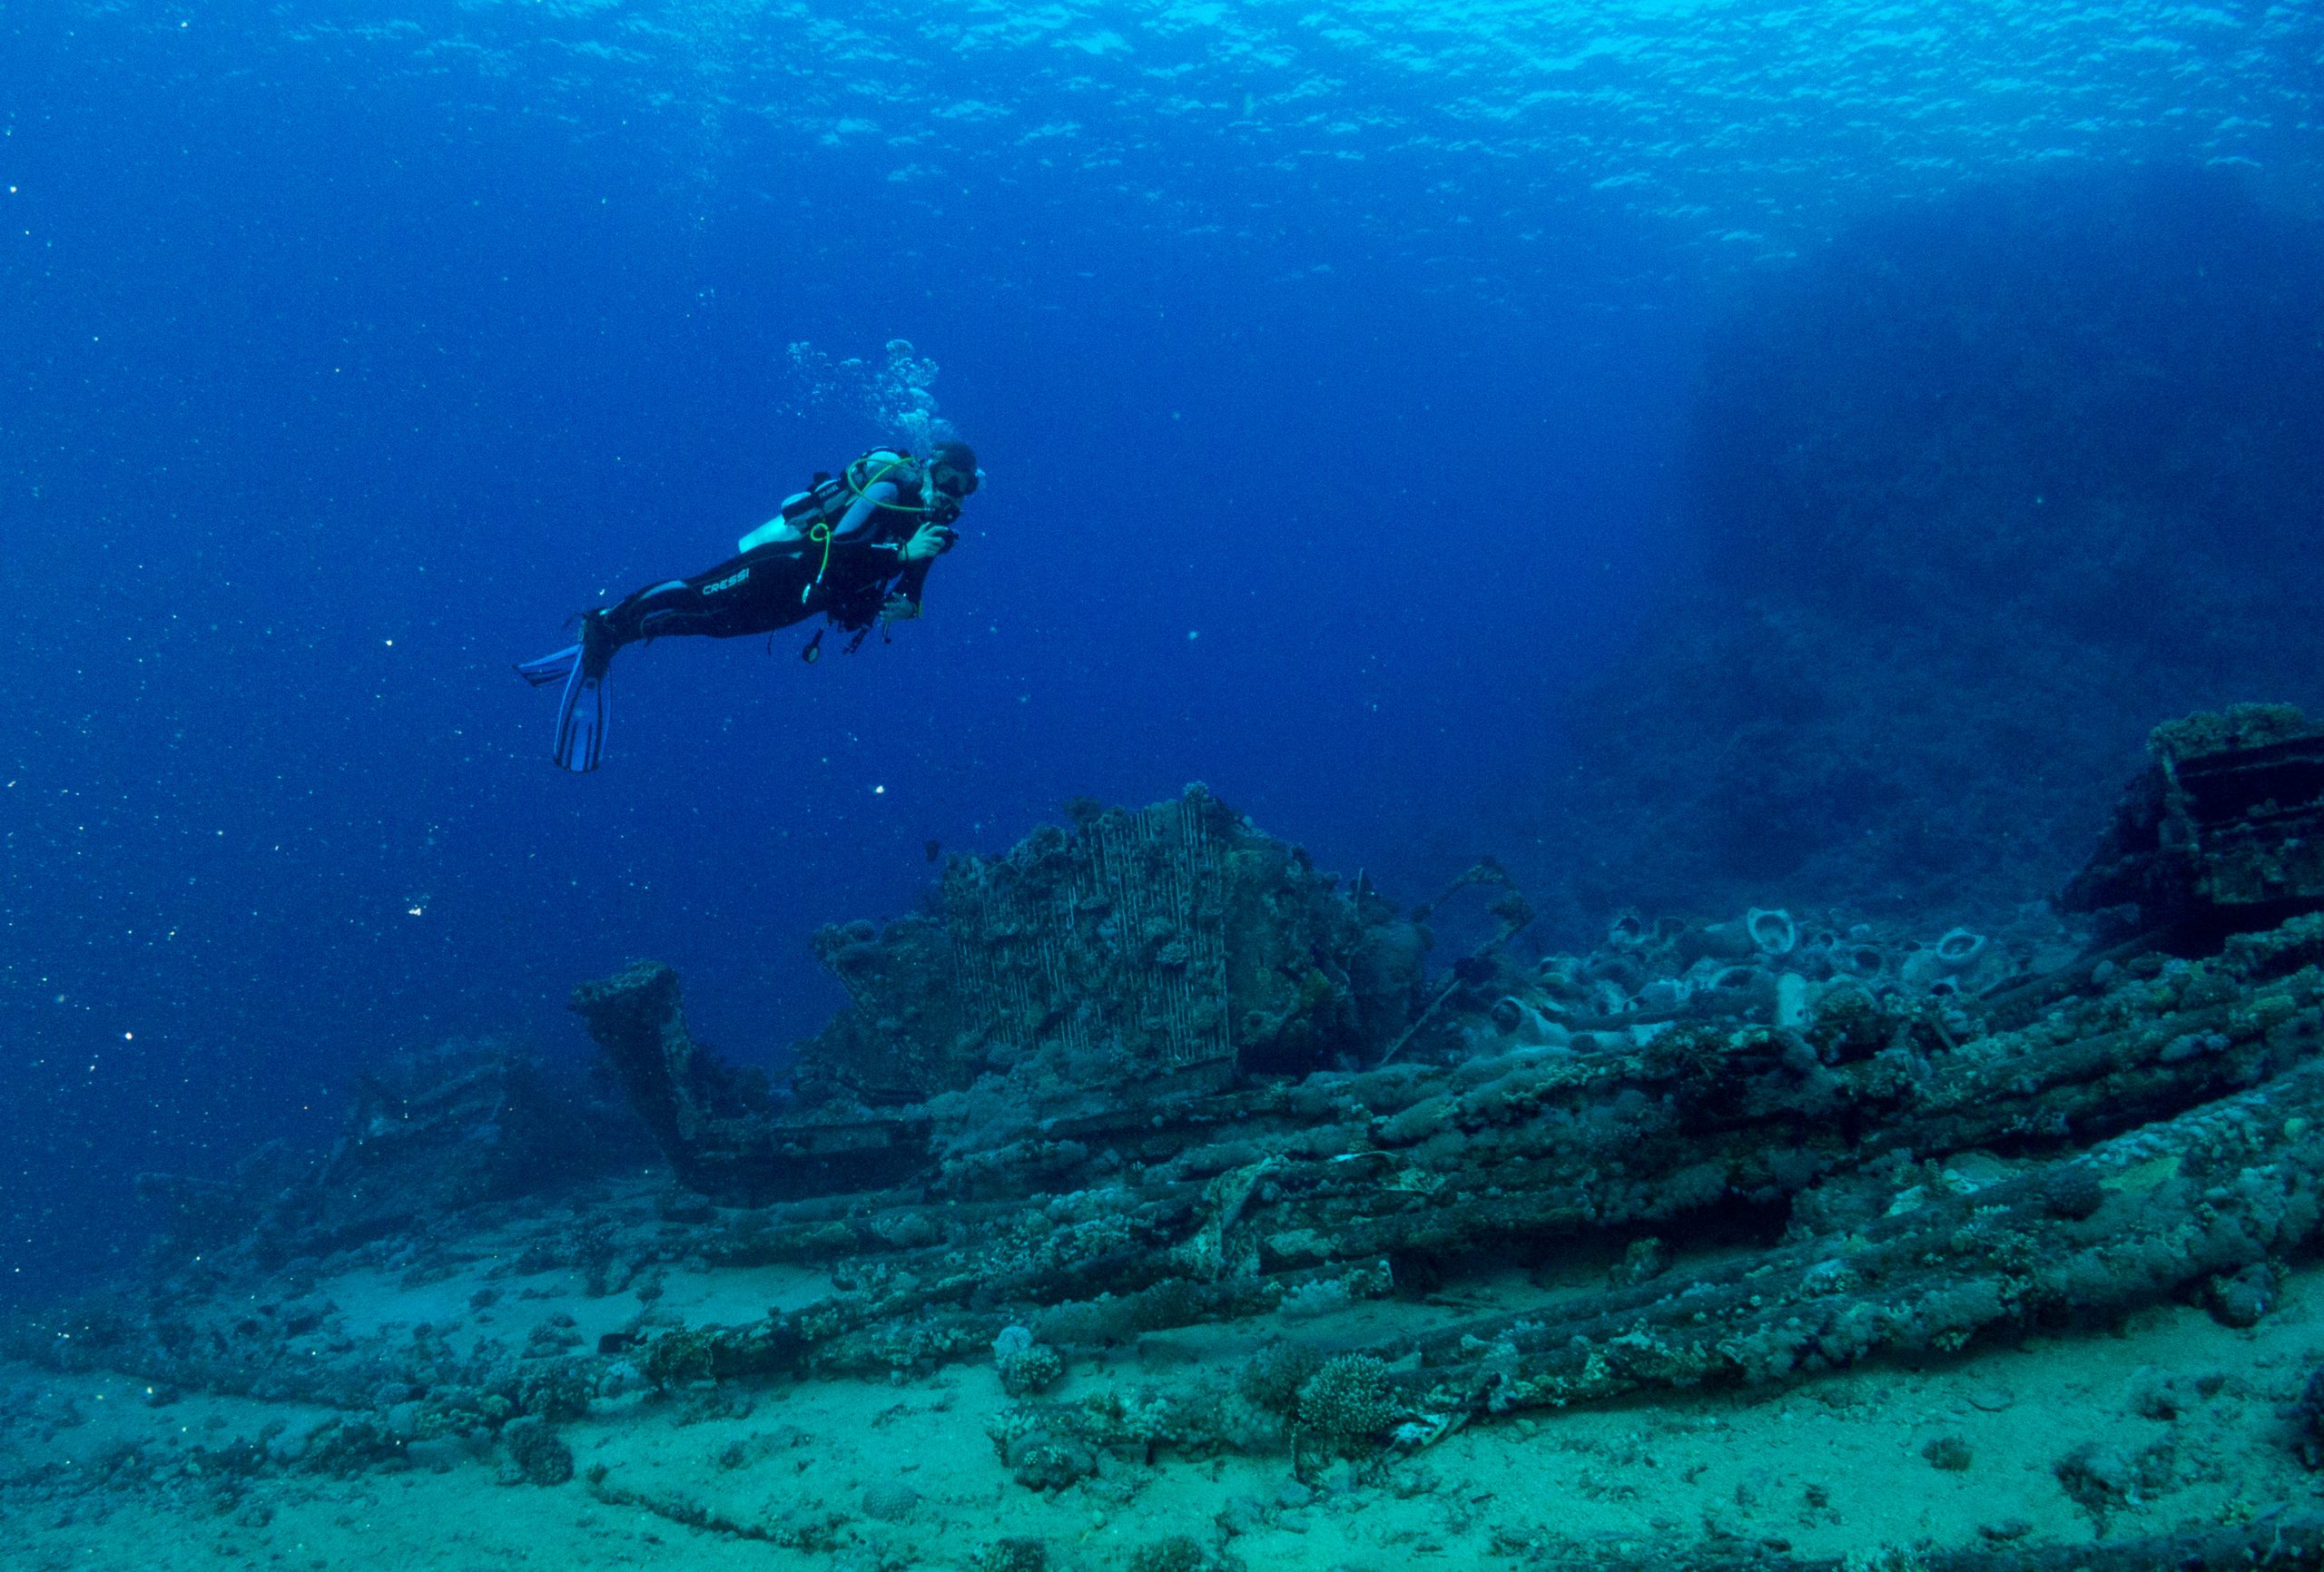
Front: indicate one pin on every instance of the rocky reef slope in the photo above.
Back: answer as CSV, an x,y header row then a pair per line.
x,y
1986,485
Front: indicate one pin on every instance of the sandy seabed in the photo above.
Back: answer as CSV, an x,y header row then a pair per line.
x,y
2189,1419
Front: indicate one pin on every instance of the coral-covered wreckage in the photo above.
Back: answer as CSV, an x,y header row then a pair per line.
x,y
1157,1072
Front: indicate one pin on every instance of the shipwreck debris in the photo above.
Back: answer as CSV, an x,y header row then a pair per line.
x,y
1810,1141
1081,982
718,1123
430,1133
2223,832
1154,953
1785,1065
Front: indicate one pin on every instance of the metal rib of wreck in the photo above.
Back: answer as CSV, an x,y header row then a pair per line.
x,y
1237,1201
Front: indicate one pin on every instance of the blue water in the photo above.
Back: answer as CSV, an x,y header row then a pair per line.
x,y
1331,365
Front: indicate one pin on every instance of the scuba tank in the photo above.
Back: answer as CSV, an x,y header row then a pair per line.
x,y
814,512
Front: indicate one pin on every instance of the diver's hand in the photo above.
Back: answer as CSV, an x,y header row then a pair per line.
x,y
898,609
928,542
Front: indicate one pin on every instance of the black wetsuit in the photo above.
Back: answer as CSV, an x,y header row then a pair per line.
x,y
783,581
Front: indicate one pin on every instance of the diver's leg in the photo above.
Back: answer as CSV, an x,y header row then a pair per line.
x,y
581,713
734,598
668,607
747,594
753,593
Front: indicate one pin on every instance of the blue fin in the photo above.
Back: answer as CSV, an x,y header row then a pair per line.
x,y
550,669
580,721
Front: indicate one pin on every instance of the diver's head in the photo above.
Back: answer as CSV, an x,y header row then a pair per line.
x,y
952,470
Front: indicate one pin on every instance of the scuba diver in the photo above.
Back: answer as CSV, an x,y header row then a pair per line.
x,y
855,546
